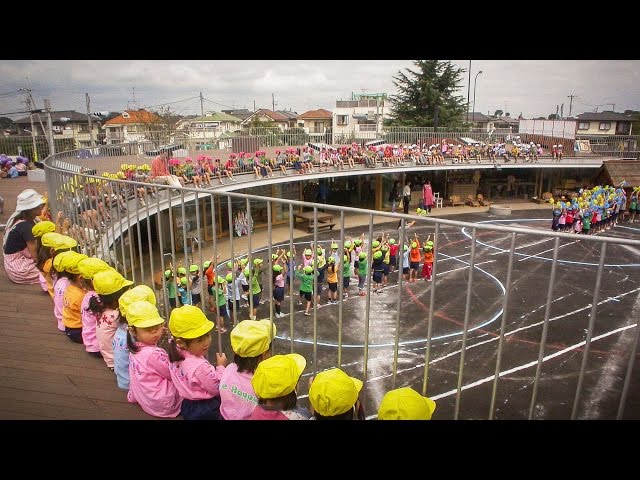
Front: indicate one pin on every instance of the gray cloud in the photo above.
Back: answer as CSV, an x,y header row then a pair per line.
x,y
530,87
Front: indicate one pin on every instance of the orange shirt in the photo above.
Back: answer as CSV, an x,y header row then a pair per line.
x,y
210,275
46,273
428,257
414,253
71,313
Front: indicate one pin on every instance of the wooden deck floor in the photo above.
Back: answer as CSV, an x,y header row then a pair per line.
x,y
43,375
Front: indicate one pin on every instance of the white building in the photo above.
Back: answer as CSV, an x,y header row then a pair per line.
x,y
360,118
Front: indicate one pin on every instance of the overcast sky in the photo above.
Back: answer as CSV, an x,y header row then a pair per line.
x,y
530,87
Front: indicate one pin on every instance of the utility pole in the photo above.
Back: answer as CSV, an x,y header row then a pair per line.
x,y
33,133
562,110
570,97
202,114
273,103
557,110
47,107
468,90
88,102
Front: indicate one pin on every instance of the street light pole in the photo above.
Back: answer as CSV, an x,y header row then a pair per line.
x,y
473,113
468,90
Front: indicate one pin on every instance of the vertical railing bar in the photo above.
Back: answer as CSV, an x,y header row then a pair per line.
x,y
365,363
315,289
592,321
399,304
627,378
232,256
545,326
340,267
250,259
291,270
432,301
503,324
465,328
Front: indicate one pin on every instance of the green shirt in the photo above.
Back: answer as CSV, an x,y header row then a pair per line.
x,y
346,270
171,288
221,296
307,281
255,285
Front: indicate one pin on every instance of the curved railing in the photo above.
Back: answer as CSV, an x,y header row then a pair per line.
x,y
506,330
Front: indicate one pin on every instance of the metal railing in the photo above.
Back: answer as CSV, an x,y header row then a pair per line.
x,y
482,346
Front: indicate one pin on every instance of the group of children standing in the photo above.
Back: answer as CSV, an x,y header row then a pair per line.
x,y
594,210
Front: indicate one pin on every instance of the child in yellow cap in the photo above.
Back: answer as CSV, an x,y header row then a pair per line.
x,y
333,395
405,404
197,381
59,287
88,268
72,297
43,253
109,285
251,343
119,343
275,381
150,382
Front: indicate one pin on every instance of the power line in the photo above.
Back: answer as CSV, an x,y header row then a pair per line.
x,y
221,104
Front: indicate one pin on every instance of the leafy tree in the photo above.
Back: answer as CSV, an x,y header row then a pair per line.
x,y
5,122
427,96
552,116
498,113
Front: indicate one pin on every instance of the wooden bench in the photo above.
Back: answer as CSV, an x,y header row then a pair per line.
x,y
321,225
306,220
455,200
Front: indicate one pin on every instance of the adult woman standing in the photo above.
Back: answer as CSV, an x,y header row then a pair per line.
x,y
427,196
19,244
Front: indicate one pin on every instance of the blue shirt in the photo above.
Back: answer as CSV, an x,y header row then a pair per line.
x,y
121,356
13,172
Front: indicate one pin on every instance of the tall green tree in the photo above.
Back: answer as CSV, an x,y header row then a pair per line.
x,y
427,95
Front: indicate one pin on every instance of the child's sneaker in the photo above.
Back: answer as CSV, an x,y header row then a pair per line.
x,y
307,314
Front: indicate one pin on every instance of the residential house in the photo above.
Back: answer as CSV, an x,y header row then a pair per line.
x,y
71,130
241,113
360,118
267,116
204,132
318,124
133,126
292,117
480,121
603,123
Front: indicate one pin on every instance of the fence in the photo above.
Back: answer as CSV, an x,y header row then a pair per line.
x,y
507,339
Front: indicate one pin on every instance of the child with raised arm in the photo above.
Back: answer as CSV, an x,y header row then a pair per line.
x,y
150,382
197,381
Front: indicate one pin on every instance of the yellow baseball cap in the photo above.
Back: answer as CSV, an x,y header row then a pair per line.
x,y
70,260
405,404
251,338
92,265
51,239
64,242
142,314
43,227
109,281
333,392
135,294
189,322
278,376
59,259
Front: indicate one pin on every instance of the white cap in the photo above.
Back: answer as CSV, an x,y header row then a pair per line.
x,y
28,199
